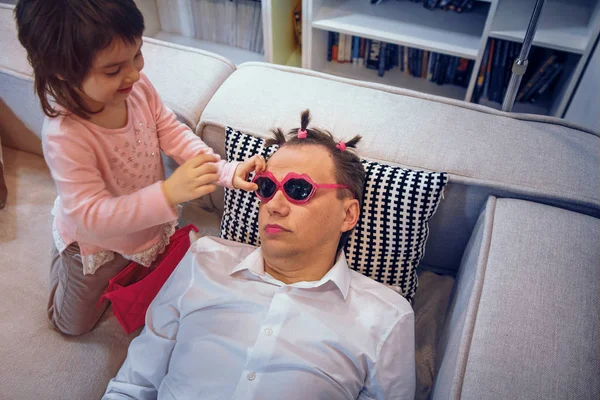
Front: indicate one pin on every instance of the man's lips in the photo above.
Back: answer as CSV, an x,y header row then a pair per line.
x,y
273,228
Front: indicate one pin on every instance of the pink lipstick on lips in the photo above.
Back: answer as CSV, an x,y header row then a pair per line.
x,y
126,90
273,229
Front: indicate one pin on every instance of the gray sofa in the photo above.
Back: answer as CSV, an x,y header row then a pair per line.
x,y
508,303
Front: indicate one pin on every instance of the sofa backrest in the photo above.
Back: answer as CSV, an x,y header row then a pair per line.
x,y
485,152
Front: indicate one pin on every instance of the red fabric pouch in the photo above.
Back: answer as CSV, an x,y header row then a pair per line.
x,y
132,290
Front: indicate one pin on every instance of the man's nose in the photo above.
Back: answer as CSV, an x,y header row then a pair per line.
x,y
278,204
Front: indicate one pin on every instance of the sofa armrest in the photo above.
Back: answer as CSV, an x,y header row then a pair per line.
x,y
523,320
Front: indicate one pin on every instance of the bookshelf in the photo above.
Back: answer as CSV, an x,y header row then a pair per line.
x,y
569,27
173,21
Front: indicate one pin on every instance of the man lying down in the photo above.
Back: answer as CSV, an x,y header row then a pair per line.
x,y
288,320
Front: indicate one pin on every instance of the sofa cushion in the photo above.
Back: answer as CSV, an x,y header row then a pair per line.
x,y
389,240
431,302
523,320
484,151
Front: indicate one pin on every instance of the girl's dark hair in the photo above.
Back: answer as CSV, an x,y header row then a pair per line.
x,y
349,170
62,38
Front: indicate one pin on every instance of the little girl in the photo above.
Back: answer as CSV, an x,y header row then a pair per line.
x,y
102,138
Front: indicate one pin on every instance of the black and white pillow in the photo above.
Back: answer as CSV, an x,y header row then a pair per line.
x,y
389,240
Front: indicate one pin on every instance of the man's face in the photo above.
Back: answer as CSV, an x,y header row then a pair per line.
x,y
311,229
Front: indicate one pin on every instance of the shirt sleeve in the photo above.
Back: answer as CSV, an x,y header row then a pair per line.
x,y
179,142
147,361
86,199
394,373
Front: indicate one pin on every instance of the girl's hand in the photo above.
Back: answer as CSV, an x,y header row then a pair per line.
x,y
255,163
191,180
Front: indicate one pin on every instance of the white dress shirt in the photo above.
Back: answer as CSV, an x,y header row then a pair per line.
x,y
223,328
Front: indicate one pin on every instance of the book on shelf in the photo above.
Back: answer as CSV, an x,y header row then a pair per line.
x,y
374,51
481,75
361,52
557,69
496,78
441,76
348,49
463,74
545,66
355,49
488,70
382,59
335,46
513,52
526,91
542,84
430,63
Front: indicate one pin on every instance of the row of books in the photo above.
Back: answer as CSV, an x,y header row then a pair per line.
x,y
496,69
375,54
446,5
232,22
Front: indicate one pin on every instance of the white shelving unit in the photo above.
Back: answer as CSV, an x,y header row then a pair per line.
x,y
404,23
565,25
279,44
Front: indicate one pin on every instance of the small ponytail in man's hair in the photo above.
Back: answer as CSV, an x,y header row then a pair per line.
x,y
277,140
353,142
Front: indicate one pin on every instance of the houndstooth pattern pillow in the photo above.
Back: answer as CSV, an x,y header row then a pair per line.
x,y
389,240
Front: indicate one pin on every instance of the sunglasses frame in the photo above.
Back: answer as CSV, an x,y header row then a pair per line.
x,y
293,175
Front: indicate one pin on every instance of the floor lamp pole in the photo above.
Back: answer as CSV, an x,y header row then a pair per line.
x,y
520,64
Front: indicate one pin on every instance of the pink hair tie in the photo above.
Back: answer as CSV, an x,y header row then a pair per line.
x,y
301,134
341,146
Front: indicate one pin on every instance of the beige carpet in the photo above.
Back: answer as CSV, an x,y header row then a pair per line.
x,y
38,363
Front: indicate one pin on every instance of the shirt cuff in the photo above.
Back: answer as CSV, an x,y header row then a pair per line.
x,y
227,172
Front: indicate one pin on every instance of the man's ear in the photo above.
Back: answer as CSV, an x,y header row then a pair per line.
x,y
352,212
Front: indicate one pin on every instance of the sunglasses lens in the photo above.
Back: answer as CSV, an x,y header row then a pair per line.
x,y
298,189
266,187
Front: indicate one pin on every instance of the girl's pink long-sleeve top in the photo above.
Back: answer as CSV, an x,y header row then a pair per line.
x,y
109,180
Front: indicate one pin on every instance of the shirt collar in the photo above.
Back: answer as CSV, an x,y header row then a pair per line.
x,y
339,274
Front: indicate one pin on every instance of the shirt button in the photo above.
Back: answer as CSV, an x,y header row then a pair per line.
x,y
268,331
251,376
